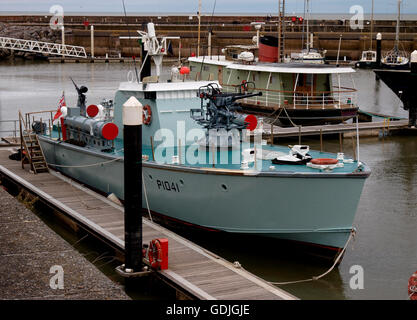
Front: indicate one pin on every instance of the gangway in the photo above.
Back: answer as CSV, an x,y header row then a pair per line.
x,y
48,48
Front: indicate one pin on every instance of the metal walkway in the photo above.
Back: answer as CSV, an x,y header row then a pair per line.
x,y
193,270
42,47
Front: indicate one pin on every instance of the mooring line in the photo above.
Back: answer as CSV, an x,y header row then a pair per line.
x,y
351,236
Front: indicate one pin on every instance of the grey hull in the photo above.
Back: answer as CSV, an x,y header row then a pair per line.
x,y
308,208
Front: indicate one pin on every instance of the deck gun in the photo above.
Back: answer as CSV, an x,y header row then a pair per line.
x,y
81,98
220,110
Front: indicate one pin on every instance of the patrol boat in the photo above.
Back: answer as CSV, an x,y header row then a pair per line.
x,y
201,167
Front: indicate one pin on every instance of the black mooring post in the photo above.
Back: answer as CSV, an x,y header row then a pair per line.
x,y
132,142
378,53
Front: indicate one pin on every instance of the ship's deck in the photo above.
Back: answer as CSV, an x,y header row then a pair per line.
x,y
193,156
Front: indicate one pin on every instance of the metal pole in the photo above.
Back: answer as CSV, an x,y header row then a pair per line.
x,y
199,23
397,31
132,142
357,138
372,24
63,35
92,41
321,140
340,142
209,43
308,27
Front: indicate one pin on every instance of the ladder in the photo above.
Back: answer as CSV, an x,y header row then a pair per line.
x,y
47,48
281,30
30,149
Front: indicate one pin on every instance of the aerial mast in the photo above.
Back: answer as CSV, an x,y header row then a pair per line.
x,y
199,23
372,24
397,33
308,29
281,27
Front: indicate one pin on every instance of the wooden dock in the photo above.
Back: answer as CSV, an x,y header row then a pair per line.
x,y
193,271
365,129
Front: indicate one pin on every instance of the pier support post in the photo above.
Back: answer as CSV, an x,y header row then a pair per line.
x,y
92,41
132,138
321,139
63,35
378,52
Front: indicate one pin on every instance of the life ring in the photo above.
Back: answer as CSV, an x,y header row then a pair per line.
x,y
412,287
147,115
324,161
155,254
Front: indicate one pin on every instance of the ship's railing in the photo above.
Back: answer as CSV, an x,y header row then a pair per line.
x,y
339,98
9,128
42,116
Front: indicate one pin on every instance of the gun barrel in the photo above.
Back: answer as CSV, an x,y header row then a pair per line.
x,y
243,96
74,83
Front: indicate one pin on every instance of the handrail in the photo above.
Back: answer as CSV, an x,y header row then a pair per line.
x,y
14,131
303,99
28,115
347,90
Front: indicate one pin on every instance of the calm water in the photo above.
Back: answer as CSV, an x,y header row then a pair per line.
x,y
386,241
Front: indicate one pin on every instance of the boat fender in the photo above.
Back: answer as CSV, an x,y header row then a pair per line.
x,y
158,254
147,114
324,161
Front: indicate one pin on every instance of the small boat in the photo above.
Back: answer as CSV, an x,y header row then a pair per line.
x,y
396,59
200,168
368,60
292,93
369,57
404,83
309,54
297,155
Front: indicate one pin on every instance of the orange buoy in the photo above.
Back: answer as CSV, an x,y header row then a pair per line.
x,y
324,161
184,70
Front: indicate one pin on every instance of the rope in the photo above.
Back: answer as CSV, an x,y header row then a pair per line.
x,y
146,198
85,165
352,234
289,118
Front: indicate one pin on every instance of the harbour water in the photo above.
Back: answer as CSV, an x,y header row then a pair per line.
x,y
385,245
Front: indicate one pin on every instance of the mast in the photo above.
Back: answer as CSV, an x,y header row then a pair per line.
x,y
372,24
308,29
302,33
281,25
199,23
397,33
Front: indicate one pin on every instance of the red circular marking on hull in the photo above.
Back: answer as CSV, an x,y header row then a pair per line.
x,y
92,110
110,131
